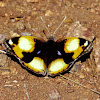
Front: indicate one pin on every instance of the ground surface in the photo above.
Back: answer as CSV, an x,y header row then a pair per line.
x,y
22,16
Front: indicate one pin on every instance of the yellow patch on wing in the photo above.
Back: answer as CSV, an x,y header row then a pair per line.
x,y
25,44
37,65
57,66
72,45
18,51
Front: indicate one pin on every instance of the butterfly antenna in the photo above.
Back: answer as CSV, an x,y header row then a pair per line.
x,y
45,26
59,25
80,84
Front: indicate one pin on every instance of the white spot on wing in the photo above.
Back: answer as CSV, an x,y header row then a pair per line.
x,y
86,43
73,45
10,42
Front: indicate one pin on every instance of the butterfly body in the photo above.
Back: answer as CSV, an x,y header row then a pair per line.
x,y
48,57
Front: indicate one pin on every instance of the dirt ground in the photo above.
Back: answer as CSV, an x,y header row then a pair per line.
x,y
22,17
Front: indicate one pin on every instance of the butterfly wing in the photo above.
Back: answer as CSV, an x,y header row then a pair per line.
x,y
28,50
59,56
68,51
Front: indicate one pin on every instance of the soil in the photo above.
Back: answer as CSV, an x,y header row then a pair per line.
x,y
22,17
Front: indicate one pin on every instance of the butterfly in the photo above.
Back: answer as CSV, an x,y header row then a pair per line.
x,y
47,57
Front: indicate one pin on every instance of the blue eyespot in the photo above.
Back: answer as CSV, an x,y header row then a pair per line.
x,y
59,53
39,52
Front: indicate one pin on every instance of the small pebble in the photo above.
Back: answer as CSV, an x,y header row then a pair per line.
x,y
26,34
22,77
15,81
34,1
4,60
13,70
70,90
54,95
13,34
20,26
68,20
81,75
2,4
5,71
89,86
97,54
48,13
28,25
68,3
92,11
2,38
